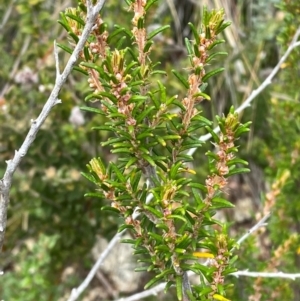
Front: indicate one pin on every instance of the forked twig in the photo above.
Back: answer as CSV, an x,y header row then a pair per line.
x,y
12,165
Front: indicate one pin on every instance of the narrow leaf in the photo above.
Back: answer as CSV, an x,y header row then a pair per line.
x,y
179,287
181,79
157,31
212,73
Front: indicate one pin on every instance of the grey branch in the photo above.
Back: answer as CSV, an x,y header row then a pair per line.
x,y
263,86
266,275
259,224
76,292
12,165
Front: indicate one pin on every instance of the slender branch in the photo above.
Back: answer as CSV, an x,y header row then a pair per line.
x,y
259,224
263,86
76,292
266,275
150,292
6,181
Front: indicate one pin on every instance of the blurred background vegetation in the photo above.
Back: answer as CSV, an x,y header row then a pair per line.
x,y
52,227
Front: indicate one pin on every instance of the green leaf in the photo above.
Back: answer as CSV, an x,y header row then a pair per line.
x,y
130,162
237,171
201,94
76,18
141,269
90,177
174,169
151,283
195,33
131,52
213,134
117,172
160,140
64,22
121,150
240,130
222,26
109,208
202,119
141,23
149,160
125,227
93,110
198,186
120,43
149,4
76,68
65,48
104,128
157,31
191,144
189,46
212,73
153,211
144,114
213,55
73,36
211,46
168,285
197,198
181,79
94,195
237,161
143,135
219,202
176,216
156,237
147,46
111,141
135,179
179,287
114,33
179,104
171,137
137,98
202,268
162,226
205,291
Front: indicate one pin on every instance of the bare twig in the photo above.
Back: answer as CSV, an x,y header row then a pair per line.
x,y
266,275
259,224
257,91
76,292
150,292
6,181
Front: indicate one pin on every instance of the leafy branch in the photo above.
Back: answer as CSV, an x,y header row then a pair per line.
x,y
150,142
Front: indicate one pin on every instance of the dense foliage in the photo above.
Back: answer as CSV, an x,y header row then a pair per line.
x,y
52,226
